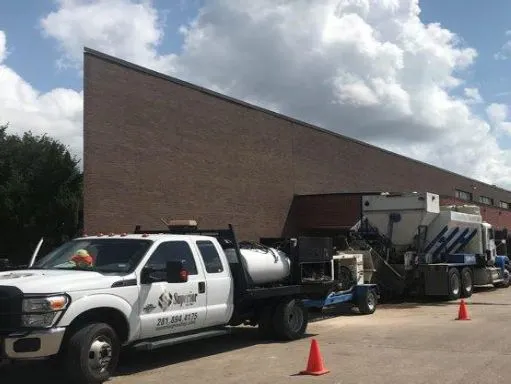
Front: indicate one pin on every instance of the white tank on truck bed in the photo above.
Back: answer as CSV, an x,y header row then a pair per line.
x,y
263,264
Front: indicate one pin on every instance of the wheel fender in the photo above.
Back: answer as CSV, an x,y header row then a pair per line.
x,y
361,290
89,302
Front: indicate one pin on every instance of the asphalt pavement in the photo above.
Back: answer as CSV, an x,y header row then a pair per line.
x,y
412,343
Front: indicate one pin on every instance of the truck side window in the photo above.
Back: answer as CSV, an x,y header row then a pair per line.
x,y
210,256
173,251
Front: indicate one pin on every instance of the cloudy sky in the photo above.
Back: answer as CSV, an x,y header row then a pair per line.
x,y
428,79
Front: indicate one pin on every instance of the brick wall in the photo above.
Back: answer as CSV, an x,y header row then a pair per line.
x,y
157,148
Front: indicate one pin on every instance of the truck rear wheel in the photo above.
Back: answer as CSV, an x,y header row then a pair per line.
x,y
290,319
466,282
92,354
454,284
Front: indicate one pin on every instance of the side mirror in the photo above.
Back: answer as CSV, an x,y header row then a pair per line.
x,y
176,272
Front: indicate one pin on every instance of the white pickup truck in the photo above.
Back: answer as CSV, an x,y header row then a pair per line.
x,y
93,295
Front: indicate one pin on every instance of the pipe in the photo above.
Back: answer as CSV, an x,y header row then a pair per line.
x,y
34,255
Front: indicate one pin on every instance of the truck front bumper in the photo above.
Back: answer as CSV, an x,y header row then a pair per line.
x,y
32,345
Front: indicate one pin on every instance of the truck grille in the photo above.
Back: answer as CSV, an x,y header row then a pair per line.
x,y
10,308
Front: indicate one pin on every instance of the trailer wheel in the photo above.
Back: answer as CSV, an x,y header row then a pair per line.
x,y
466,282
92,354
454,284
367,302
290,319
507,280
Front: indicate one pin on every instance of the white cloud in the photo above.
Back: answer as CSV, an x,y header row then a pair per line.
x,y
505,51
57,113
472,96
128,29
498,115
3,46
368,69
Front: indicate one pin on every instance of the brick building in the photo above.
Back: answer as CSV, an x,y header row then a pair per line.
x,y
157,147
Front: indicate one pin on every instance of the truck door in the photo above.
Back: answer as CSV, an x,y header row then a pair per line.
x,y
167,308
219,284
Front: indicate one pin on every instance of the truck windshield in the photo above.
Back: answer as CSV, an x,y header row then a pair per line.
x,y
98,255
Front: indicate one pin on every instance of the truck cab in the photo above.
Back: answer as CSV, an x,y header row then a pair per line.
x,y
488,240
88,297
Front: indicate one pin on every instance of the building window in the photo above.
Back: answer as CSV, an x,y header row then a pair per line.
x,y
462,195
503,204
486,200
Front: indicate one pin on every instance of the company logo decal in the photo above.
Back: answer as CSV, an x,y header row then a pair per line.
x,y
148,308
165,300
186,300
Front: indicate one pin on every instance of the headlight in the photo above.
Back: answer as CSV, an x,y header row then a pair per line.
x,y
41,320
43,311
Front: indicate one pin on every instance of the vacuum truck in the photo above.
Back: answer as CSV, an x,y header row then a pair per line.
x,y
91,296
422,248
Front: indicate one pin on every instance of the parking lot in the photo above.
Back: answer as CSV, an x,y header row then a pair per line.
x,y
401,343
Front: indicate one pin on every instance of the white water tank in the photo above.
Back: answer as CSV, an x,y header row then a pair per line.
x,y
265,265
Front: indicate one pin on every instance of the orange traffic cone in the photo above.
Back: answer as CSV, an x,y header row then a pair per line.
x,y
315,364
463,312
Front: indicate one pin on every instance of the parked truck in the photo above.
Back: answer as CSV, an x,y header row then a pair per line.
x,y
420,247
153,288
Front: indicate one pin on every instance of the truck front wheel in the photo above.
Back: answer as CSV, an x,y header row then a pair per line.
x,y
290,319
92,353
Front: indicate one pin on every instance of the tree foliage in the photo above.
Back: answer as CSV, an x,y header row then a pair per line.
x,y
40,194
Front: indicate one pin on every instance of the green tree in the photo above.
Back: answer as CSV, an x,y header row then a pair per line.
x,y
40,194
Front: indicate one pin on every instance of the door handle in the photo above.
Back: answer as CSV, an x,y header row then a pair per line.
x,y
202,287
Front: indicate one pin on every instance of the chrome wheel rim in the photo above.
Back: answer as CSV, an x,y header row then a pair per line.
x,y
371,301
295,319
468,282
100,354
455,285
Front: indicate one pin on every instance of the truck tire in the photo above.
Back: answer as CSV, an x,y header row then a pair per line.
x,y
92,354
506,282
367,302
290,319
466,282
454,285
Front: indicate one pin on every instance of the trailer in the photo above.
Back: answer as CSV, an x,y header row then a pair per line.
x,y
354,273
422,248
351,272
